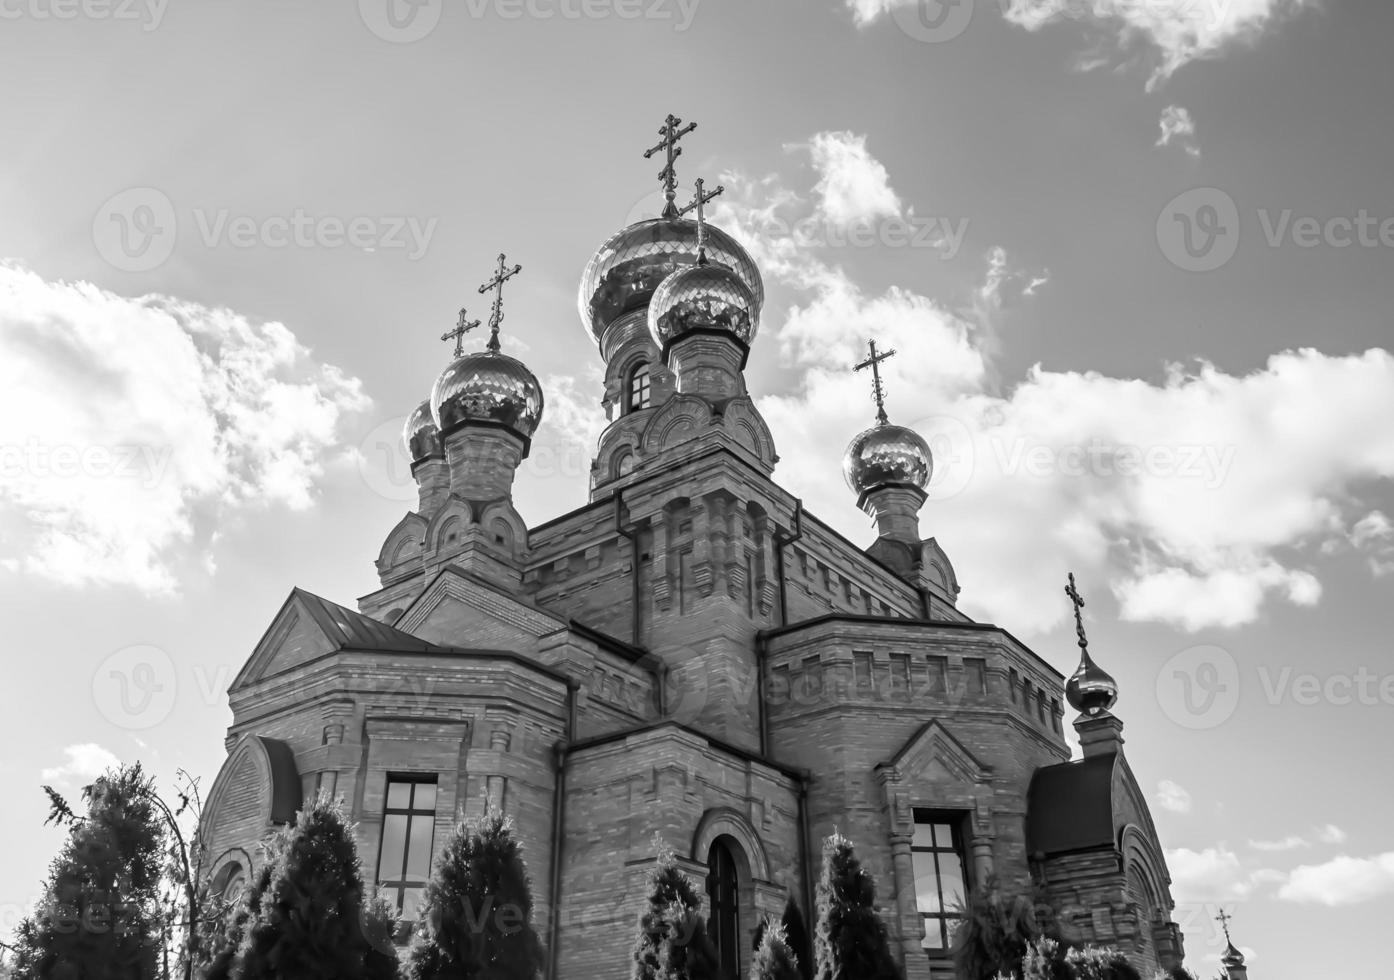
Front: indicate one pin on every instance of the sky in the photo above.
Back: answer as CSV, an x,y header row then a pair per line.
x,y
1133,256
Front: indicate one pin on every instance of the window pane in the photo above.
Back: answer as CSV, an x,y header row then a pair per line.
x,y
425,798
933,934
411,903
394,839
926,882
924,836
951,882
943,836
398,795
419,854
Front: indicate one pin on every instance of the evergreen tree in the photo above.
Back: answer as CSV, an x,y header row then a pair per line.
x,y
309,923
476,920
225,944
774,959
688,953
851,942
99,917
668,921
995,932
796,937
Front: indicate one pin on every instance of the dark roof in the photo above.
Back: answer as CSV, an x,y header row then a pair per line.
x,y
352,630
1069,806
285,779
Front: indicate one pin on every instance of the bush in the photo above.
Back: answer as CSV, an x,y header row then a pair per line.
x,y
851,942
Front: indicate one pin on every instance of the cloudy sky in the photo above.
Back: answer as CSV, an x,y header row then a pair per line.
x,y
1133,254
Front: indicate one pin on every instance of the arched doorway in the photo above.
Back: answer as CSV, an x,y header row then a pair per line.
x,y
723,904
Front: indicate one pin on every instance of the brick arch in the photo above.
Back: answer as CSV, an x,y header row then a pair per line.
x,y
726,822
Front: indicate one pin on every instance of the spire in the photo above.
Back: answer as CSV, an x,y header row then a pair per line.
x,y
878,391
462,327
1232,960
697,204
672,130
496,284
1090,690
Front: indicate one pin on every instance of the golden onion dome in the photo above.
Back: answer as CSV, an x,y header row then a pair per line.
x,y
702,297
625,271
491,388
887,454
421,435
1090,689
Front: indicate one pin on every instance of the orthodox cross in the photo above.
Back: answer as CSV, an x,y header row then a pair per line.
x,y
496,284
1078,601
1223,919
462,327
877,390
672,130
696,204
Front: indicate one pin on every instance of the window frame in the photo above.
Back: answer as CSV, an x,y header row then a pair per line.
x,y
945,920
641,373
398,887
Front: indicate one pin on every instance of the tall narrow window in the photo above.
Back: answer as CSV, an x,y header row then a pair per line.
x,y
938,674
640,388
408,831
900,674
975,675
940,877
862,665
723,899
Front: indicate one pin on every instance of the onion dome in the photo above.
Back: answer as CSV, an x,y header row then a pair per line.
x,y
1090,689
625,271
887,454
421,435
1231,957
702,297
490,388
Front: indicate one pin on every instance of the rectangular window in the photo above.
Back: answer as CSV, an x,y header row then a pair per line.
x,y
812,677
938,674
900,674
975,675
862,665
941,880
408,833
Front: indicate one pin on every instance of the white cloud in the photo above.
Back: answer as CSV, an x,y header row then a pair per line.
x,y
85,762
1326,834
1331,834
129,426
852,184
1210,875
1173,796
1341,881
1374,535
1198,497
1173,32
1178,127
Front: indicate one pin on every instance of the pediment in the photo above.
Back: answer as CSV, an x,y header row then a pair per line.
x,y
459,610
933,755
294,637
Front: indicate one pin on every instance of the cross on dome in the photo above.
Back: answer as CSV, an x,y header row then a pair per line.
x,y
501,276
672,130
697,204
1078,601
878,391
462,327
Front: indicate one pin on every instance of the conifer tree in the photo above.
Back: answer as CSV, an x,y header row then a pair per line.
x,y
796,937
309,925
99,917
224,946
476,920
851,941
671,919
774,959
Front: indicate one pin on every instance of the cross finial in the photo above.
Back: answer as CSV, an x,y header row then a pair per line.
x,y
672,130
697,204
877,390
1223,919
1078,601
496,284
462,327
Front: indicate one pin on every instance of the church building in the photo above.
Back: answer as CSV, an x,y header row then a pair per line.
x,y
689,658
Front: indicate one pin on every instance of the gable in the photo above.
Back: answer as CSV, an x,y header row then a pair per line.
x,y
293,638
933,755
462,611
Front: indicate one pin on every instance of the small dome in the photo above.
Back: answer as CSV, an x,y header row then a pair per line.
x,y
488,387
1090,690
887,454
625,271
421,436
702,297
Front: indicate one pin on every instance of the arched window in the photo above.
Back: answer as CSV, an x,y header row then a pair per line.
x,y
723,900
638,389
